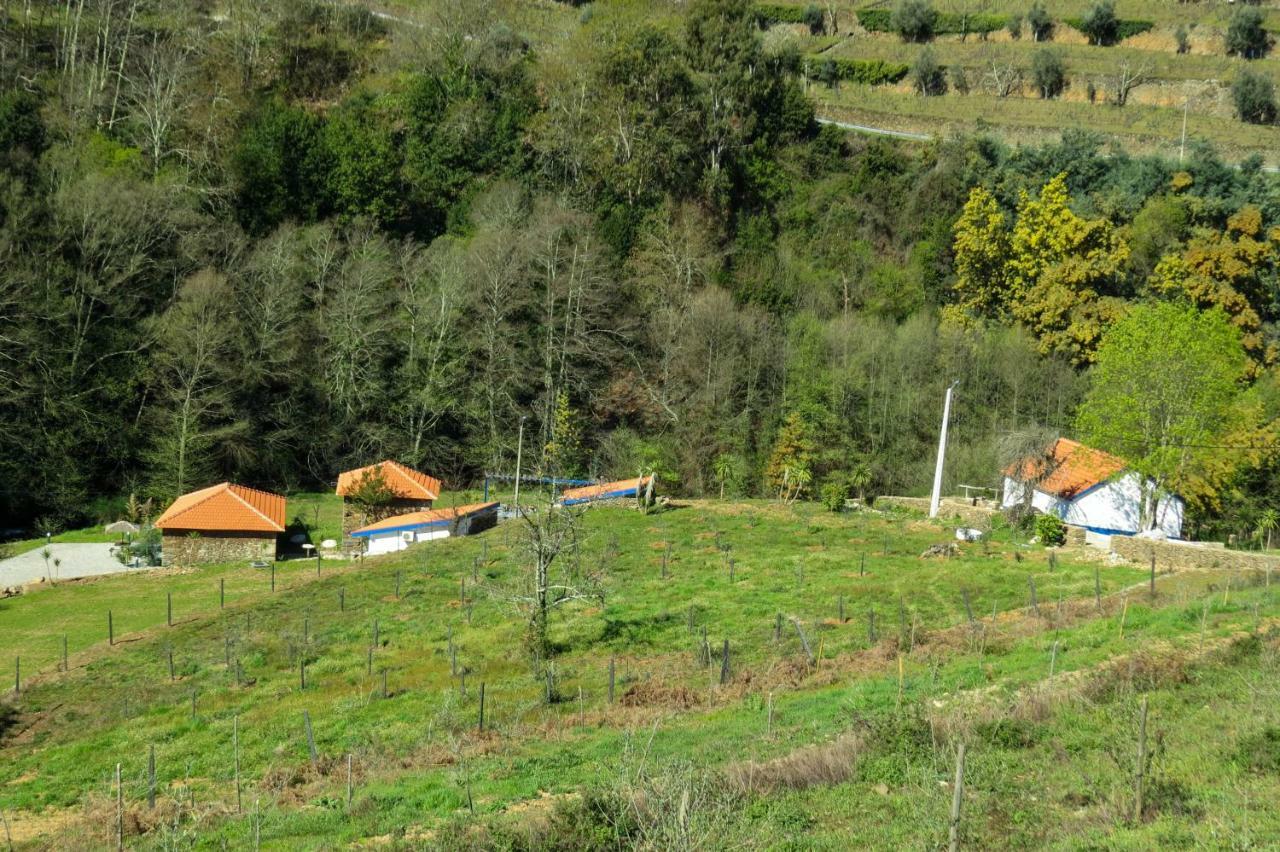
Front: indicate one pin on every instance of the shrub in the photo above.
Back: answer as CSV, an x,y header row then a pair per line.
x,y
778,13
1254,97
944,23
1039,22
914,20
876,20
1100,23
814,19
1020,517
1181,36
1245,34
959,80
1009,734
1048,72
1050,530
833,494
1014,26
895,745
929,77
869,72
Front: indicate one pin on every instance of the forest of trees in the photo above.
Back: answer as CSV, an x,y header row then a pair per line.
x,y
273,243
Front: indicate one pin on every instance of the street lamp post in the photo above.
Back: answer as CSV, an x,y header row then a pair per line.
x,y
936,499
519,449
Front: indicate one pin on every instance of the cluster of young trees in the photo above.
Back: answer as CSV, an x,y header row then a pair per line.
x,y
297,238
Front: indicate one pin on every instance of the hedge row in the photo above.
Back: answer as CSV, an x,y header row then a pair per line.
x,y
870,72
1124,29
945,23
777,13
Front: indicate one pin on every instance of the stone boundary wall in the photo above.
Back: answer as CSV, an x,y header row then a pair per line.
x,y
1188,556
950,508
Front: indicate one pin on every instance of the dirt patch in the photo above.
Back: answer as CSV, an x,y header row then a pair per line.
x,y
652,694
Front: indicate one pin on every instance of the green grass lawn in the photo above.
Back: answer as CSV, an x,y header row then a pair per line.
x,y
89,535
416,755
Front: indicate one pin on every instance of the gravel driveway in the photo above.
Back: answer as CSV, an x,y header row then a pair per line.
x,y
78,560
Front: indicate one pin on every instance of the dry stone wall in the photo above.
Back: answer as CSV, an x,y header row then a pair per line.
x,y
950,509
181,548
1188,556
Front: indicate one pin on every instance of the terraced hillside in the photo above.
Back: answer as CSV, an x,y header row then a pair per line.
x,y
775,669
1138,88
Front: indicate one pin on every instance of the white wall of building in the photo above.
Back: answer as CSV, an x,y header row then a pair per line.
x,y
392,542
1112,506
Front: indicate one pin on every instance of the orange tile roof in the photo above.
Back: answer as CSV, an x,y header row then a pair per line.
x,y
225,508
622,487
1069,468
411,520
404,481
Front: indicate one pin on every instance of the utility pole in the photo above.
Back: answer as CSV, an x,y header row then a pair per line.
x,y
1182,147
936,499
519,449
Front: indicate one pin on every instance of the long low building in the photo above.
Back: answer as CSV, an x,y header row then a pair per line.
x,y
399,531
619,490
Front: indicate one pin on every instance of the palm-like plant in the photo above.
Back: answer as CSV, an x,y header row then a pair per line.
x,y
1268,520
859,477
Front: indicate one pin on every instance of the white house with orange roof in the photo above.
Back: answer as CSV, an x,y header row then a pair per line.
x,y
410,491
1089,488
399,531
222,523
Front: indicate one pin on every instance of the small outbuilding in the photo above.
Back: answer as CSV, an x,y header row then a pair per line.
x,y
403,490
1089,488
619,490
399,531
222,523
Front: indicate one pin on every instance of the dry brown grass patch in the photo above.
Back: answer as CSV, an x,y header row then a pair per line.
x,y
823,764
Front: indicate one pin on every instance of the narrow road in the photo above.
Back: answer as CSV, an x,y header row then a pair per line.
x,y
876,131
74,560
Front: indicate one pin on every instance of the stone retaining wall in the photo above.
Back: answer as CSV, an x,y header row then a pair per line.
x,y
1188,556
183,548
949,509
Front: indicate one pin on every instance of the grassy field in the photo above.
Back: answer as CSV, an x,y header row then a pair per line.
x,y
888,701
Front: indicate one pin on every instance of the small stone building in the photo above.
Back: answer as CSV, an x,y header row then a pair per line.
x,y
393,534
222,523
412,490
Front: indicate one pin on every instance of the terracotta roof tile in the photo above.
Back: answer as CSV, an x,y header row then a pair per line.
x,y
605,490
225,508
1068,469
411,520
404,481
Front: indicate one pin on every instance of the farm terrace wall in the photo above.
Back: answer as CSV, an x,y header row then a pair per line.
x,y
1188,556
183,548
354,517
950,509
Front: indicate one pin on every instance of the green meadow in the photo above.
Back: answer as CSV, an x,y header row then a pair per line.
x,y
843,728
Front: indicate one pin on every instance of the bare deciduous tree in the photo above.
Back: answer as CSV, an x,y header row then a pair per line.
x,y
158,98
554,571
1128,77
1002,78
